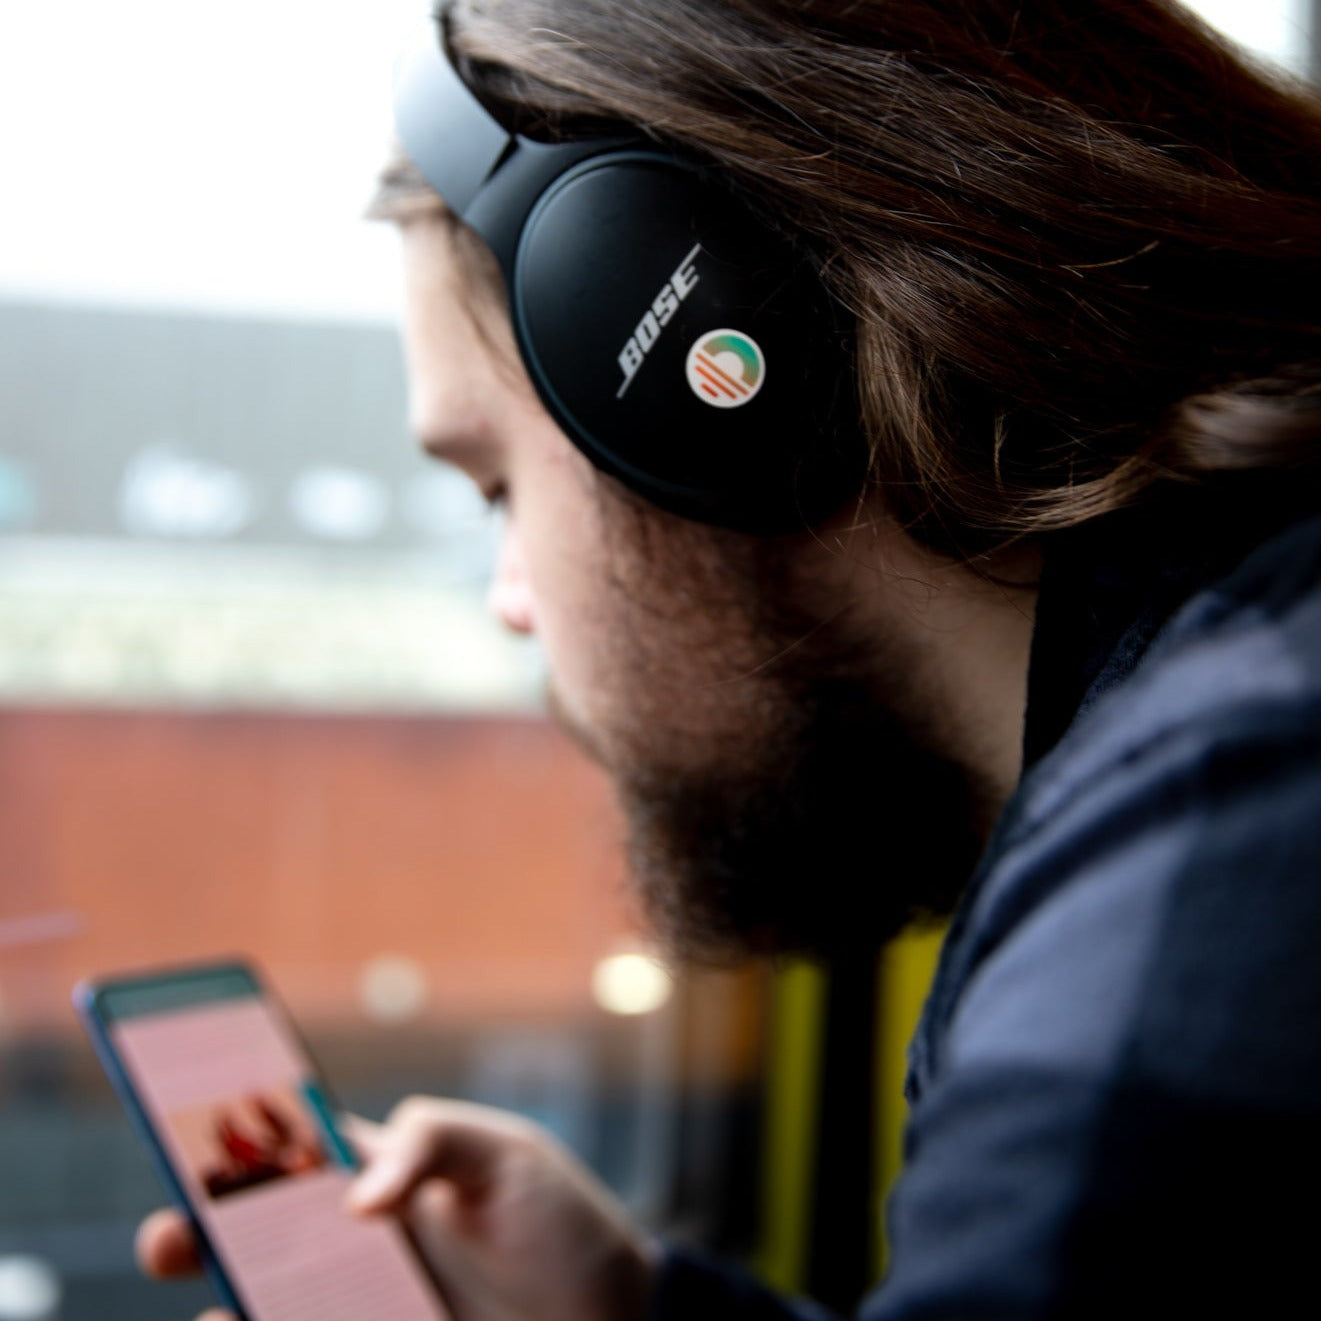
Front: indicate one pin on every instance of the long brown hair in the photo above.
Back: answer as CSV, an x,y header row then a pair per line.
x,y
1081,238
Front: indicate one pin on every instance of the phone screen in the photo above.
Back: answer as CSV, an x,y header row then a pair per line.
x,y
234,1106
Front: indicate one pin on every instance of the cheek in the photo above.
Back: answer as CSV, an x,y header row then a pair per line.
x,y
565,588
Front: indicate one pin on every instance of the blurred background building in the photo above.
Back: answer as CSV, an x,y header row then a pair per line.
x,y
250,698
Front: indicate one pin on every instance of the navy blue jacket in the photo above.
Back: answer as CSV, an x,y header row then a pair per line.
x,y
1116,1085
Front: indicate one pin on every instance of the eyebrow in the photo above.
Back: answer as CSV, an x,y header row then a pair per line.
x,y
449,449
475,460
403,194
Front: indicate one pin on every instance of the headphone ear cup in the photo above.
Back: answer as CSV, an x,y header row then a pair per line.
x,y
687,348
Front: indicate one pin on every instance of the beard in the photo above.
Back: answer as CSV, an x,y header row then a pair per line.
x,y
816,821
836,832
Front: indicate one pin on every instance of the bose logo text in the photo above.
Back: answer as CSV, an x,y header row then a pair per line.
x,y
656,318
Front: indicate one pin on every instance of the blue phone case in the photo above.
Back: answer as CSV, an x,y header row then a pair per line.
x,y
87,997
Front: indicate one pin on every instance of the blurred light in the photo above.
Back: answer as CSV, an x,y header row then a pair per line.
x,y
18,496
29,1289
168,494
340,504
393,988
631,984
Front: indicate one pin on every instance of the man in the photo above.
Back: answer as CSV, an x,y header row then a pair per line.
x,y
1070,617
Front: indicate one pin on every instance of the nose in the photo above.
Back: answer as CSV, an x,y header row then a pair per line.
x,y
510,597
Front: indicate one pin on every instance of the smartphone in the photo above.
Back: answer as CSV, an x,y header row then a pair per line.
x,y
243,1133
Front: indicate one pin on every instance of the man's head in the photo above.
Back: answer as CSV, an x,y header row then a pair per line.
x,y
741,691
803,741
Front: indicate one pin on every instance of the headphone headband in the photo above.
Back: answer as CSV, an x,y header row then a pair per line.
x,y
428,90
489,177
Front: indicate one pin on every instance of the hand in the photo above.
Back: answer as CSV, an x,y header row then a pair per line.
x,y
513,1227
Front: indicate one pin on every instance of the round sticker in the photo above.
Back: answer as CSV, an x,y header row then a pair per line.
x,y
725,368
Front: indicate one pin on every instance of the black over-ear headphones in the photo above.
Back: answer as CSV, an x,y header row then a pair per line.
x,y
679,340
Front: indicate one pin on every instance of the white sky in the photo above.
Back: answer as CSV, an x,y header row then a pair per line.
x,y
218,156
169,152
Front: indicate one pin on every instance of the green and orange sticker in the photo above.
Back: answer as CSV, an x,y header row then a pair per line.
x,y
726,368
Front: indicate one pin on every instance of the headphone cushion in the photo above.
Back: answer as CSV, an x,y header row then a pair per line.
x,y
685,346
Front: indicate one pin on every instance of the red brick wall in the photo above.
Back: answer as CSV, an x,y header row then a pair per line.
x,y
485,849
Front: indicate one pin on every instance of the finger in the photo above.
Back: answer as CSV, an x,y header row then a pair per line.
x,y
165,1246
427,1139
217,1314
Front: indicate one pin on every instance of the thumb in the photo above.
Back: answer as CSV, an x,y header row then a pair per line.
x,y
166,1247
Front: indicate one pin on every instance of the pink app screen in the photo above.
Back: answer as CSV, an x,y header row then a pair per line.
x,y
228,1092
